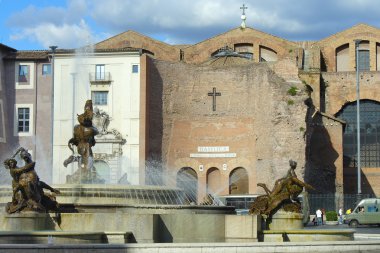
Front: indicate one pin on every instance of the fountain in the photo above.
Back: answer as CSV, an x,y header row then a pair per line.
x,y
282,213
84,208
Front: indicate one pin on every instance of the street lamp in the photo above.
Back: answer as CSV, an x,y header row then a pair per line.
x,y
53,48
357,42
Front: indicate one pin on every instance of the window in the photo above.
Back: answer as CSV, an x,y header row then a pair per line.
x,y
267,54
135,68
23,116
343,58
46,69
23,73
369,134
363,60
100,97
23,70
99,72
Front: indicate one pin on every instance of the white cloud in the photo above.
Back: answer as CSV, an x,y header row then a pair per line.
x,y
64,36
187,21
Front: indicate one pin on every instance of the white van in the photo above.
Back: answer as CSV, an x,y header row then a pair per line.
x,y
366,212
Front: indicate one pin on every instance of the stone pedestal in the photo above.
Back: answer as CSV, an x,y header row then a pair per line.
x,y
286,221
27,221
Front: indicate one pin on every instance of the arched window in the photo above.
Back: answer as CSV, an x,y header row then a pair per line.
x,y
343,58
363,56
238,181
369,134
213,181
267,54
187,180
103,170
245,49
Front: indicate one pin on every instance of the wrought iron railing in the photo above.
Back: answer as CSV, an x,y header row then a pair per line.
x,y
104,77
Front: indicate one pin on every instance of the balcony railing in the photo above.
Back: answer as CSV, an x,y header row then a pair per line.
x,y
100,78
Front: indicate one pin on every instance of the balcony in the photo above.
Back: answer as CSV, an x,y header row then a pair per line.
x,y
100,78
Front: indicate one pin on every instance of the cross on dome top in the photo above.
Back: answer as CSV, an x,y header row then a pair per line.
x,y
243,17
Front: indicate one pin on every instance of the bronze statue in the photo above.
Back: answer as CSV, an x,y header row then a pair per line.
x,y
84,140
28,194
283,196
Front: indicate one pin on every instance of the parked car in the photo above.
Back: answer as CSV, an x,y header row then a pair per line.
x,y
366,213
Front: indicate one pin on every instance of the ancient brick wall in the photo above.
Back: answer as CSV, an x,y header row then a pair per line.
x,y
364,32
133,39
341,88
255,117
202,51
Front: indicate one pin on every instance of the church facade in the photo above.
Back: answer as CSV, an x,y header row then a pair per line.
x,y
229,112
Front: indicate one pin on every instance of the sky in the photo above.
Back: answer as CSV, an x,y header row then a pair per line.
x,y
38,24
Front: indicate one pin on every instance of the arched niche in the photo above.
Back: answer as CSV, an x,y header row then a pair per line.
x,y
187,179
238,181
267,54
343,58
213,180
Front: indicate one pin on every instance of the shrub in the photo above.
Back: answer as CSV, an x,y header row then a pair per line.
x,y
292,91
331,216
290,102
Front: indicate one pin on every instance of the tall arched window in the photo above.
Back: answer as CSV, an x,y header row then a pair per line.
x,y
187,180
369,134
343,58
213,181
239,181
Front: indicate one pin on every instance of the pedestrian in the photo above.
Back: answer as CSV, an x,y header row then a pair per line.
x,y
318,213
323,215
340,212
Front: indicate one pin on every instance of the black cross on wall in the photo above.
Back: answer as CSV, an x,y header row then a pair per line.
x,y
214,94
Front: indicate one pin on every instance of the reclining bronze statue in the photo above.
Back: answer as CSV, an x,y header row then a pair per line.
x,y
27,188
283,196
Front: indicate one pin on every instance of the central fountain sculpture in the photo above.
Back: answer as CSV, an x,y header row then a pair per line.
x,y
84,139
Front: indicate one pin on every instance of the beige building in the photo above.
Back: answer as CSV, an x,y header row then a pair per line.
x,y
229,112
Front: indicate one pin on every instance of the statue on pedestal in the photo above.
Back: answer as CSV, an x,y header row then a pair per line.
x,y
283,196
27,188
84,140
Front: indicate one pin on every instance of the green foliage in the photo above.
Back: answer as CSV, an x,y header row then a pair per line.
x,y
331,216
290,102
302,129
292,91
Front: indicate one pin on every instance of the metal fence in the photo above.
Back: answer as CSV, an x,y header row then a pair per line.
x,y
328,202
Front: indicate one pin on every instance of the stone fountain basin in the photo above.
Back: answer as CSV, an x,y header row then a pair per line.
x,y
63,237
305,235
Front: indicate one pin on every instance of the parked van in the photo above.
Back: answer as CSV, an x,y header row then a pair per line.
x,y
366,212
